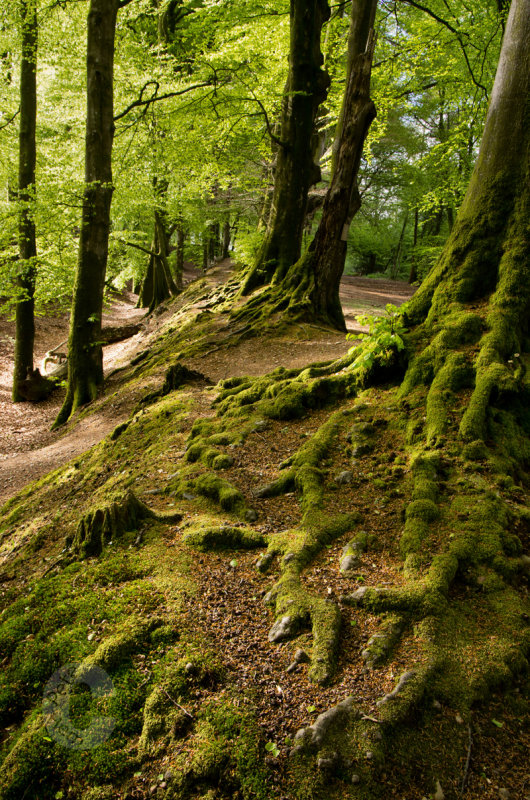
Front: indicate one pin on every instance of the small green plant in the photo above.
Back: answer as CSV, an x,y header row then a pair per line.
x,y
273,749
384,338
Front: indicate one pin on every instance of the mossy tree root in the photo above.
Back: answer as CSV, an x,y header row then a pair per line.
x,y
296,608
107,524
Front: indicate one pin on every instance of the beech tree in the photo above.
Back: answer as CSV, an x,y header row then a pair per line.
x,y
25,306
85,354
295,170
310,287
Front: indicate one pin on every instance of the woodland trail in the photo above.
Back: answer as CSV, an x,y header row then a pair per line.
x,y
29,450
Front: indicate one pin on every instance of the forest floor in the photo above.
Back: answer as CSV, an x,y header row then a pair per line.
x,y
206,705
29,450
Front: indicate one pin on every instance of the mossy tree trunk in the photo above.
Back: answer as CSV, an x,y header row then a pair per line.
x,y
85,353
158,284
295,172
310,289
25,307
485,267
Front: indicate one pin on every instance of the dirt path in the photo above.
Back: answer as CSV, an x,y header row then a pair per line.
x,y
29,450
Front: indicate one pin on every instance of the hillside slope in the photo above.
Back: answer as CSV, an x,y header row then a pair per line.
x,y
199,571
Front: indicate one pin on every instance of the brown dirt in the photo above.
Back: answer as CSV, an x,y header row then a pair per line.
x,y
29,450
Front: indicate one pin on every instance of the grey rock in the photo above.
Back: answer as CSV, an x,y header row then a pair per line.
x,y
251,515
263,563
301,656
355,779
349,564
343,478
260,425
284,628
188,496
292,668
356,597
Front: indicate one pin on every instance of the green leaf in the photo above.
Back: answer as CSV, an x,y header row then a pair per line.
x,y
311,709
497,723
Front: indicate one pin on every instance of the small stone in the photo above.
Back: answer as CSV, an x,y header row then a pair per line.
x,y
292,667
349,564
355,779
189,667
343,478
188,496
301,657
251,515
459,719
369,755
260,425
439,794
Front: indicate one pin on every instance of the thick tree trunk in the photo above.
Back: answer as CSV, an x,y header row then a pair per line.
x,y
85,354
25,317
306,88
362,20
324,263
487,254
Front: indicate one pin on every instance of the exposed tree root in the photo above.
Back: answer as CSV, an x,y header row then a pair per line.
x,y
104,525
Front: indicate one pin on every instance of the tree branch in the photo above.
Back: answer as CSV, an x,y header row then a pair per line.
x,y
457,34
136,246
156,97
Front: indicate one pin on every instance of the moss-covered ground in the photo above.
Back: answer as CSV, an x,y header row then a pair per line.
x,y
303,539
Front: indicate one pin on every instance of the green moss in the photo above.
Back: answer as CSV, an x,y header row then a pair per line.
x,y
119,647
224,537
425,510
220,491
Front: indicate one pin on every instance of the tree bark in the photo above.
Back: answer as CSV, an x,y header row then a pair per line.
x,y
25,307
85,354
486,259
306,88
158,284
362,20
318,295
413,274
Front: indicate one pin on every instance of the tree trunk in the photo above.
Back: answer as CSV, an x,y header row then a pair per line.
x,y
399,249
413,274
85,354
179,264
362,20
306,88
158,284
487,254
25,316
226,237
